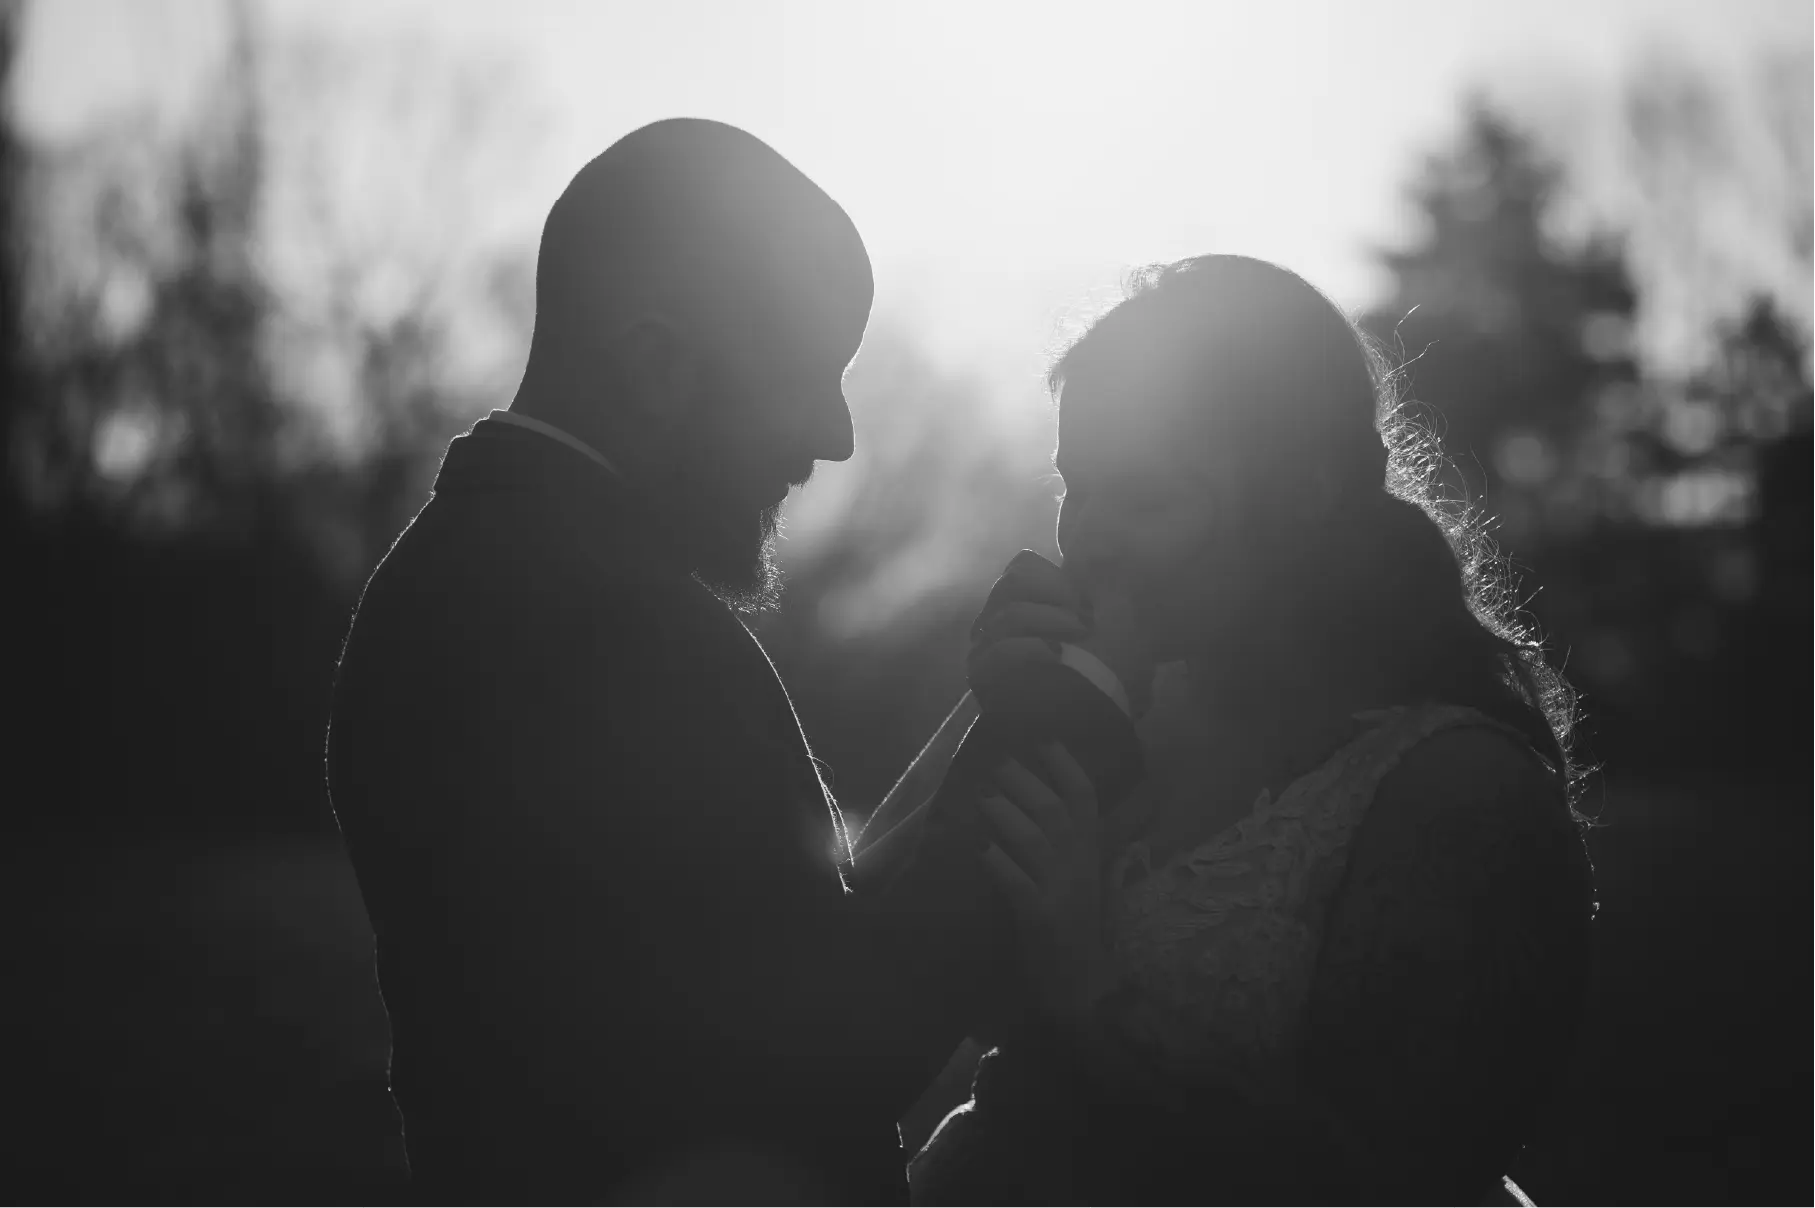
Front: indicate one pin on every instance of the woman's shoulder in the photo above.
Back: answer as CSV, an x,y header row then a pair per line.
x,y
1457,952
1445,755
1460,750
1460,795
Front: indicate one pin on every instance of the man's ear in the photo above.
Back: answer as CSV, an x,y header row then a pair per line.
x,y
658,369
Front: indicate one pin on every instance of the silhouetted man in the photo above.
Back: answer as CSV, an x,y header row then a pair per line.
x,y
613,932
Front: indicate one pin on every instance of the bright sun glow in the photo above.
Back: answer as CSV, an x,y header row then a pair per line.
x,y
1001,159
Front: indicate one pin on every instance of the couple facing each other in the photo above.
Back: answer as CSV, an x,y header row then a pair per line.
x,y
1256,874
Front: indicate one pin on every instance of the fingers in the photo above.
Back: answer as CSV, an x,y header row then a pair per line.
x,y
995,662
1038,802
1018,835
1073,786
1019,888
1026,619
1031,577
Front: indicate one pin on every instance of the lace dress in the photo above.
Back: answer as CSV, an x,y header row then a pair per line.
x,y
1214,948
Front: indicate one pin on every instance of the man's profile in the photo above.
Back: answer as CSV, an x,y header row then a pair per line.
x,y
590,835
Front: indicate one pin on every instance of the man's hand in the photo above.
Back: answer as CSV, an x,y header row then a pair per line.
x,y
1044,858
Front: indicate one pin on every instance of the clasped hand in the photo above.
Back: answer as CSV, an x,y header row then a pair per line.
x,y
1043,855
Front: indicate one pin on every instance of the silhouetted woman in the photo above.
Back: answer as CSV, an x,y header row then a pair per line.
x,y
1335,947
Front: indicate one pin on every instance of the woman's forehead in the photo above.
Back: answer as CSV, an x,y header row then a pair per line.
x,y
1098,427
1132,450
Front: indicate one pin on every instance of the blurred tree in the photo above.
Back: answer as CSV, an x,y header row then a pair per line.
x,y
231,335
146,314
1634,495
1714,188
1506,329
196,512
1712,180
12,368
1508,335
1764,382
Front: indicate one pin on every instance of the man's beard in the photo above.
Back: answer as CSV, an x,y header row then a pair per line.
x,y
732,531
735,560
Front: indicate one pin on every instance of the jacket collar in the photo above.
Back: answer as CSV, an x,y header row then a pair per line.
x,y
513,466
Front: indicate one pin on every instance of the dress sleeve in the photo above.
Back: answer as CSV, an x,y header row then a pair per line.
x,y
1454,966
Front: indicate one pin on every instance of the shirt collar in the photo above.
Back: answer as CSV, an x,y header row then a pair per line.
x,y
553,433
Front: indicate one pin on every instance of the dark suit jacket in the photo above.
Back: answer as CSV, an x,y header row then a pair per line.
x,y
612,933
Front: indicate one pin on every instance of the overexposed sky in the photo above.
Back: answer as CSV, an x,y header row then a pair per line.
x,y
1000,159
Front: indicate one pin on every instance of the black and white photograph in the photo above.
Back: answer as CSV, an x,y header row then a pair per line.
x,y
848,602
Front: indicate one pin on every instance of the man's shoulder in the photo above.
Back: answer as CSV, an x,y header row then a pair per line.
x,y
465,604
460,564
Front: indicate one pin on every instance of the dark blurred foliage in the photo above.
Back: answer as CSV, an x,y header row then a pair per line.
x,y
1663,525
11,155
186,537
1661,529
186,553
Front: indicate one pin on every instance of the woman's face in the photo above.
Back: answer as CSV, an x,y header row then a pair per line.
x,y
1139,518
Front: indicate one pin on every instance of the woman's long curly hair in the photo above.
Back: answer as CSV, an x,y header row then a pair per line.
x,y
1267,377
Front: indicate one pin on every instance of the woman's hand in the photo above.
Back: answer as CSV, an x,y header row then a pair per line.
x,y
1035,607
1044,857
1030,611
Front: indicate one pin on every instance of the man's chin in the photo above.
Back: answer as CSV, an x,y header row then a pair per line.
x,y
739,567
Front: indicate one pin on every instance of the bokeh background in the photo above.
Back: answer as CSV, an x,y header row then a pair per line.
x,y
265,259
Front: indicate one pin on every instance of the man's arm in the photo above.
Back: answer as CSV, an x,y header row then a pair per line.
x,y
916,787
900,812
609,878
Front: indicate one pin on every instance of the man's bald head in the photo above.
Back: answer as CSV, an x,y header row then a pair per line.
x,y
706,224
697,301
